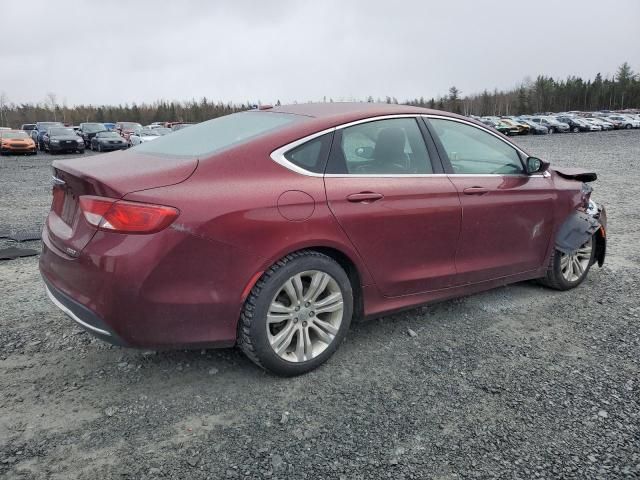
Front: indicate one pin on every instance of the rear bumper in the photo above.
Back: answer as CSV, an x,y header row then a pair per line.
x,y
81,315
165,290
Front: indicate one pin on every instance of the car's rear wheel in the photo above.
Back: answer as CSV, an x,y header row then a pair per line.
x,y
567,271
575,129
297,314
627,126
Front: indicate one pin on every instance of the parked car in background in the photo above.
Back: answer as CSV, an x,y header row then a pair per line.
x,y
553,125
28,127
603,124
16,141
273,229
89,129
575,124
110,126
535,128
180,126
143,135
500,126
127,128
62,140
162,131
41,128
521,128
622,121
108,141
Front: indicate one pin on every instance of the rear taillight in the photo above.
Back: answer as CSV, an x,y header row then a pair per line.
x,y
121,216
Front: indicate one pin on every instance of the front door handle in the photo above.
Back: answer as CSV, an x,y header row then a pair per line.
x,y
475,191
364,197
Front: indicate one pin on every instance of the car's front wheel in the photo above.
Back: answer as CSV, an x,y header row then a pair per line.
x,y
567,271
297,314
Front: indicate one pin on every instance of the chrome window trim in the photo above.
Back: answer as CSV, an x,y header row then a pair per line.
x,y
73,316
278,155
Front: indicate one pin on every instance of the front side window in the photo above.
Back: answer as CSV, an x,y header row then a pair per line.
x,y
381,147
471,150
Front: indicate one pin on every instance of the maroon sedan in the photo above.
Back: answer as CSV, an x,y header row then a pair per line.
x,y
273,228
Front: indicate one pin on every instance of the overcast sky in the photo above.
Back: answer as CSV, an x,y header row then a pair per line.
x,y
114,51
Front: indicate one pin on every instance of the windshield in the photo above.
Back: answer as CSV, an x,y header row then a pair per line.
x,y
108,135
14,135
93,127
220,133
62,131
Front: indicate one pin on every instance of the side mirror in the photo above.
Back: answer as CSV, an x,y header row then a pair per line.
x,y
536,165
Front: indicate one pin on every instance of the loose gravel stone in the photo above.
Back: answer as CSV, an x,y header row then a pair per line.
x,y
509,383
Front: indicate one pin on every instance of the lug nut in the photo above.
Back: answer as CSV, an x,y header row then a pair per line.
x,y
312,313
297,309
304,324
295,320
307,304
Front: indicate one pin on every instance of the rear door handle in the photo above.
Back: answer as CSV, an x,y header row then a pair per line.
x,y
364,197
475,191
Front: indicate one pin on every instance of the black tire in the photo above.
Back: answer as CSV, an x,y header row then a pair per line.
x,y
554,278
575,129
551,130
100,147
252,330
627,126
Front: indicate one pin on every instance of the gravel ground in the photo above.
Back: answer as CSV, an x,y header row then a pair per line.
x,y
518,382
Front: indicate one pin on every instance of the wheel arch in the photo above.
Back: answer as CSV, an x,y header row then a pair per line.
x,y
355,270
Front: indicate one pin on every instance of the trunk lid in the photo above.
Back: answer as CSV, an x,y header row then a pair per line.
x,y
110,175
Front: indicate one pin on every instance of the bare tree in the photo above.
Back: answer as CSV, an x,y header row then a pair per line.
x,y
51,101
3,102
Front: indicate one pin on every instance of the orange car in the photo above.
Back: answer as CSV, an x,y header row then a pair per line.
x,y
16,141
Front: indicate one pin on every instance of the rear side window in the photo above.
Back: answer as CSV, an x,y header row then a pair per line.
x,y
218,134
312,155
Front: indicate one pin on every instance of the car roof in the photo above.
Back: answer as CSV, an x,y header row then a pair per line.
x,y
322,116
355,110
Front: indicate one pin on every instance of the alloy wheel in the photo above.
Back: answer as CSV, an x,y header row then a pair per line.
x,y
574,265
304,316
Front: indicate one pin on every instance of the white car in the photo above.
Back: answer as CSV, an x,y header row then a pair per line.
x,y
598,122
142,136
626,122
592,126
147,135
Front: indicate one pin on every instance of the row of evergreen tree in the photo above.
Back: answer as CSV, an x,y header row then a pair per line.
x,y
545,94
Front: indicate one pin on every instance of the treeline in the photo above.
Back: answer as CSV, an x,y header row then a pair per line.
x,y
14,115
544,94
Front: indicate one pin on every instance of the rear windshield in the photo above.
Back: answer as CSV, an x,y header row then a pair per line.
x,y
214,135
